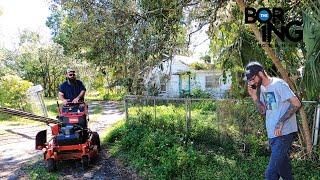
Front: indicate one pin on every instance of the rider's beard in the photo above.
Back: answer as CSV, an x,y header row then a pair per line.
x,y
72,80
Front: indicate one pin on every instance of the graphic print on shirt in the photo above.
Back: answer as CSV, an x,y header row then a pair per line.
x,y
270,100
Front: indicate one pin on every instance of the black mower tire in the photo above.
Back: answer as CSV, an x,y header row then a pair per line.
x,y
50,165
85,162
96,140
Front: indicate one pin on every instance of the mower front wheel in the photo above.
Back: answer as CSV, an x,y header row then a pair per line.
x,y
85,162
50,165
96,140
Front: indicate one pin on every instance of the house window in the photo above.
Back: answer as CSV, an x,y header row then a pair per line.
x,y
212,81
216,81
209,81
163,86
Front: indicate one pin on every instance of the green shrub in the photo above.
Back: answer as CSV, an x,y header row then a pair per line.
x,y
13,92
198,93
114,94
205,106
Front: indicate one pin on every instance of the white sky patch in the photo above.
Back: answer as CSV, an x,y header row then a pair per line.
x,y
18,15
199,42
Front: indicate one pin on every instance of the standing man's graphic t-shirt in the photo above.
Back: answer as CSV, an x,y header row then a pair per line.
x,y
276,97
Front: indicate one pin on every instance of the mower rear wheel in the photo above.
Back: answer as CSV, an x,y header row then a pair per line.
x,y
85,162
50,165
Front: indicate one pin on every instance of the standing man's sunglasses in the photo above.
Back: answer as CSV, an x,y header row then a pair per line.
x,y
253,78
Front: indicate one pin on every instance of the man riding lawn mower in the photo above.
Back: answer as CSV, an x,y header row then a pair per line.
x,y
71,138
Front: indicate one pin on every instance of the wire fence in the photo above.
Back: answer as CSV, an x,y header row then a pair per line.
x,y
201,121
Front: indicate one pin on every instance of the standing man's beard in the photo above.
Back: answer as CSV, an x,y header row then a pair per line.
x,y
260,81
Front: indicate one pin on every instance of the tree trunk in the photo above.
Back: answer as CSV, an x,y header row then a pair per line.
x,y
284,73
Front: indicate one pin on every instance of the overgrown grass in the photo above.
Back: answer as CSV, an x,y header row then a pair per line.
x,y
94,96
158,148
114,95
52,107
35,170
38,171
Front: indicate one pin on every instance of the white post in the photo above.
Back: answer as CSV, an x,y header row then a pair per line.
x,y
316,129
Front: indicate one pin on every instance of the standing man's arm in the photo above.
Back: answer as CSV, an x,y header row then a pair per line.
x,y
260,106
293,108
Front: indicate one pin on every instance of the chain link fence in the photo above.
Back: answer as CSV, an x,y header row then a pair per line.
x,y
204,122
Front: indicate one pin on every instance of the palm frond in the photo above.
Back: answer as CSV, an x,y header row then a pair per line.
x,y
311,38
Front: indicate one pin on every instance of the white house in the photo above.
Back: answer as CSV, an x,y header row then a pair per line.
x,y
176,78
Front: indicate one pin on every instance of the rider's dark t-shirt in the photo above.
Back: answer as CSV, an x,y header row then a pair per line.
x,y
71,91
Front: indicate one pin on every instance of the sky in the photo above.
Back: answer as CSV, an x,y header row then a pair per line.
x,y
199,42
18,15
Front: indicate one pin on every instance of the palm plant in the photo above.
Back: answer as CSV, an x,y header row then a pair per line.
x,y
311,38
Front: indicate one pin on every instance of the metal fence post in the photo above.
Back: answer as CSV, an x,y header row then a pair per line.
x,y
155,108
316,129
126,108
188,119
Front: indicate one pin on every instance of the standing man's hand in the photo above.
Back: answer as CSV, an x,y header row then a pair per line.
x,y
252,92
278,129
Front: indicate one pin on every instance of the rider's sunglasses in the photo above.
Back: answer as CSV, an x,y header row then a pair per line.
x,y
71,74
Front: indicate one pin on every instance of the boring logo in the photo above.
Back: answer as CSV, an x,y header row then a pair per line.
x,y
269,20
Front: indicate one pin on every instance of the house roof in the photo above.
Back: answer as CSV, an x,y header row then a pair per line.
x,y
187,60
182,73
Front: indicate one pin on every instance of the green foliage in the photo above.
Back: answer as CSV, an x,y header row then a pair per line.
x,y
37,63
219,145
38,171
52,107
115,94
311,34
13,92
200,66
119,36
205,106
198,93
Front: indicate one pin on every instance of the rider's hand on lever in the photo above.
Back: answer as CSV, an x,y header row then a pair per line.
x,y
75,100
65,102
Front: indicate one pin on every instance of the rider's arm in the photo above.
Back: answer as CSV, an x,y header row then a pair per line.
x,y
81,95
61,97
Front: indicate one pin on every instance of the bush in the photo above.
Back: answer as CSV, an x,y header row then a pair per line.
x,y
13,92
198,93
116,94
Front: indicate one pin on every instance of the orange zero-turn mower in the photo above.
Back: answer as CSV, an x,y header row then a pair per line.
x,y
71,138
